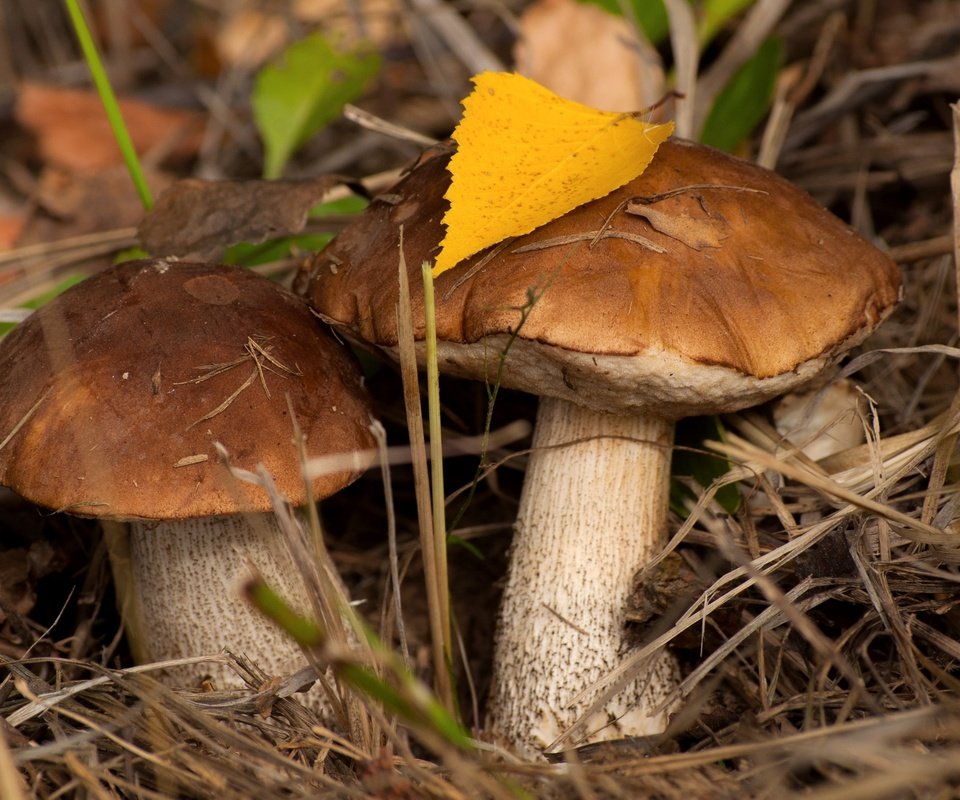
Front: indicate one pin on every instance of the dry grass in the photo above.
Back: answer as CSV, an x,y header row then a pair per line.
x,y
818,626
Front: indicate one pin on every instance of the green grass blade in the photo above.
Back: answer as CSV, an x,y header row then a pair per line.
x,y
398,691
436,458
109,100
303,631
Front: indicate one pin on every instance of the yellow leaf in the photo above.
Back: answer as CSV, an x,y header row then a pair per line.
x,y
526,156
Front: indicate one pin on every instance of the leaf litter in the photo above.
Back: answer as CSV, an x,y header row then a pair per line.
x,y
200,219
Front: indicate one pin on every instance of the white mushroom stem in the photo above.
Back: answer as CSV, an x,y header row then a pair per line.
x,y
186,581
591,514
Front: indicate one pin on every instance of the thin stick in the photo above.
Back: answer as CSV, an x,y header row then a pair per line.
x,y
403,454
436,461
738,449
686,55
380,434
955,187
946,446
418,452
11,783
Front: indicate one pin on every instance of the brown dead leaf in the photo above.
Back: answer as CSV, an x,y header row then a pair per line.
x,y
199,219
696,233
74,204
586,54
10,227
73,132
96,202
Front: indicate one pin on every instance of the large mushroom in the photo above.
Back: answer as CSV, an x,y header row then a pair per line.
x,y
113,400
706,285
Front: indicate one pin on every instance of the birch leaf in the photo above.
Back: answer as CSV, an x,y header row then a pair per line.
x,y
526,156
297,96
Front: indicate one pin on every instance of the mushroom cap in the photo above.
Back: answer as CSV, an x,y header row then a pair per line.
x,y
114,394
720,286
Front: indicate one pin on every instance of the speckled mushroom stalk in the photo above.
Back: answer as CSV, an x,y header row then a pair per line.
x,y
593,510
718,287
115,399
185,583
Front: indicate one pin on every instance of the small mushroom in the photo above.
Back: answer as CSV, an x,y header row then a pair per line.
x,y
822,422
114,398
706,285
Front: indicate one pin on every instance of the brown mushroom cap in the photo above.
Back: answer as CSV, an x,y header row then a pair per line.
x,y
114,394
729,286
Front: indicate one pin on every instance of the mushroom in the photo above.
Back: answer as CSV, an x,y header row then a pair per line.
x,y
706,285
114,397
823,421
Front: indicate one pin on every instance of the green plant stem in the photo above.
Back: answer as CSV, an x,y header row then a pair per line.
x,y
436,457
109,100
381,677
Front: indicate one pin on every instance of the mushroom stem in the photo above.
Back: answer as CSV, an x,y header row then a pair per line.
x,y
593,511
187,577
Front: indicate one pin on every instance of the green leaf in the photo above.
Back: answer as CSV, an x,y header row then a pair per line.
x,y
745,99
650,15
351,204
297,96
130,254
703,467
714,14
245,254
